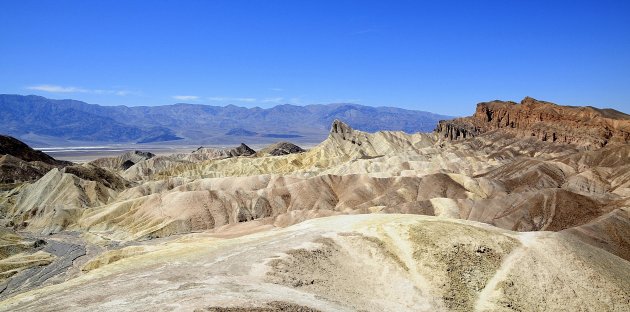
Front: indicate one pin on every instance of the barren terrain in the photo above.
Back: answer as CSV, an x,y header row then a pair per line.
x,y
479,215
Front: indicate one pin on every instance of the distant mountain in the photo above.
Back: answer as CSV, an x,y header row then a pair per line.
x,y
22,116
240,132
38,119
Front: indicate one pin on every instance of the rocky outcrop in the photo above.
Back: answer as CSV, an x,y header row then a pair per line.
x,y
124,161
457,129
20,163
241,150
14,170
14,147
545,121
280,148
99,175
160,163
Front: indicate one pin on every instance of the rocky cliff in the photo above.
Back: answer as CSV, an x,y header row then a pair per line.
x,y
211,153
584,126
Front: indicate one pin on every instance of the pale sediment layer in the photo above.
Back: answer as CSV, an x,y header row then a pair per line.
x,y
346,263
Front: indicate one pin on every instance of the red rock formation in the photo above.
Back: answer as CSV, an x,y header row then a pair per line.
x,y
584,126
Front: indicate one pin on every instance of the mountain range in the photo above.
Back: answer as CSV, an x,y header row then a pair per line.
x,y
42,121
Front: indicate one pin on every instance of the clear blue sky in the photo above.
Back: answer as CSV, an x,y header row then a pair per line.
x,y
439,56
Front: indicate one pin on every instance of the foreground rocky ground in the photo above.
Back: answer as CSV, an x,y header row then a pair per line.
x,y
511,209
347,263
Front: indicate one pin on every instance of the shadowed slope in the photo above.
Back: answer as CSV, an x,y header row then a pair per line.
x,y
20,163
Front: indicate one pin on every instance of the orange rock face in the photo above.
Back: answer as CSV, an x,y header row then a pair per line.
x,y
584,126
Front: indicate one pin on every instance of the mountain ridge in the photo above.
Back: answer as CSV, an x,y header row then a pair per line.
x,y
31,116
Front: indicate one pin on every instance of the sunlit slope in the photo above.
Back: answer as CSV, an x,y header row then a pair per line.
x,y
512,183
347,263
342,145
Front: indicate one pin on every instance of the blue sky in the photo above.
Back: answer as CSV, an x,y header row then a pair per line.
x,y
438,56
